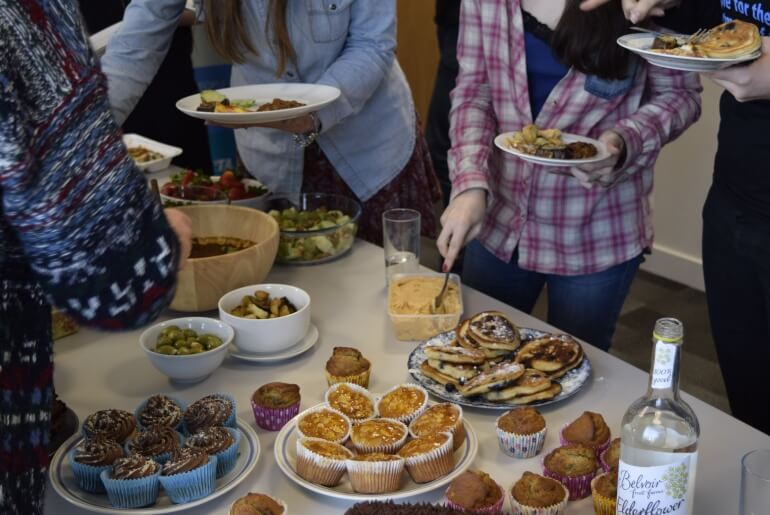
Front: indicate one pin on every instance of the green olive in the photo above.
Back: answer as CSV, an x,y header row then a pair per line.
x,y
164,340
166,349
174,334
196,347
183,351
189,332
180,343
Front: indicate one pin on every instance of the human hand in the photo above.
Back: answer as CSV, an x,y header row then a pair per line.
x,y
461,223
600,172
635,10
300,125
747,82
182,226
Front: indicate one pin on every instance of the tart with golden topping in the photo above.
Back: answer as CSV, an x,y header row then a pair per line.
x,y
379,435
403,402
326,423
439,418
351,399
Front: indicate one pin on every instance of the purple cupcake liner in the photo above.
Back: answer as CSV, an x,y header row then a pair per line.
x,y
273,419
579,487
603,460
495,509
598,449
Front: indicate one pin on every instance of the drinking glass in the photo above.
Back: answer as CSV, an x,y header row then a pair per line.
x,y
401,240
755,483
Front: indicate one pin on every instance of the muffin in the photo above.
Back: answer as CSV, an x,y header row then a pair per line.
x,y
537,495
604,489
188,475
475,492
160,410
213,410
115,424
403,402
574,465
156,442
257,504
321,461
375,473
132,482
521,432
379,435
588,429
401,508
439,418
274,404
325,423
610,457
90,458
428,457
348,365
353,400
222,442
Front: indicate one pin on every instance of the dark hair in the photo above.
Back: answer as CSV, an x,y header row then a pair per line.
x,y
586,40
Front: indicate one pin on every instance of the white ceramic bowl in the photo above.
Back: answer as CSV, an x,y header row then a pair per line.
x,y
191,368
272,334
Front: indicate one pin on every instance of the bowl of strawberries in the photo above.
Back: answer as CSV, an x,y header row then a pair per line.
x,y
195,187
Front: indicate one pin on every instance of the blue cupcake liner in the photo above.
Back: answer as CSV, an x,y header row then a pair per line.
x,y
131,493
226,459
193,484
179,402
158,458
87,476
231,420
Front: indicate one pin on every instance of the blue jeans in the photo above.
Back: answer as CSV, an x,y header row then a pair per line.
x,y
586,306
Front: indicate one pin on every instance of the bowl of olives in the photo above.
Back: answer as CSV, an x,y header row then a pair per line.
x,y
189,349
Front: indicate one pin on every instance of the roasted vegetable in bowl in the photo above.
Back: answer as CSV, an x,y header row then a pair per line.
x,y
261,306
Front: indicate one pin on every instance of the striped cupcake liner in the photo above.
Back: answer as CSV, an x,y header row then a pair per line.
x,y
361,379
158,458
131,493
323,407
579,487
231,420
358,389
273,419
495,509
602,505
433,464
375,477
319,469
458,431
597,448
191,485
87,476
385,448
555,509
226,459
521,446
140,409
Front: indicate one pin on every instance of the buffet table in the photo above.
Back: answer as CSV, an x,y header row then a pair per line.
x,y
101,370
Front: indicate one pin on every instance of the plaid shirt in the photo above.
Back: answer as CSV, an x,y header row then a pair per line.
x,y
560,227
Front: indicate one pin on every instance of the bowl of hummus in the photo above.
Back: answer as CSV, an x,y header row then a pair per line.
x,y
411,305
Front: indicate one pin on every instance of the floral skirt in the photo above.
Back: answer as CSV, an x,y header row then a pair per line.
x,y
415,187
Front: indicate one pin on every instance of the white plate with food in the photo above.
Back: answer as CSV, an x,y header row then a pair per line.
x,y
285,449
304,345
258,104
148,154
551,147
726,45
64,483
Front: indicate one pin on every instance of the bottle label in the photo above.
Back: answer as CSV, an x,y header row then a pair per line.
x,y
655,490
663,368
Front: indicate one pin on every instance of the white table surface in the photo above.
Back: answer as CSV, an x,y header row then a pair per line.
x,y
101,370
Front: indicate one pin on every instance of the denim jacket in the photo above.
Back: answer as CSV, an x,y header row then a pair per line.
x,y
368,134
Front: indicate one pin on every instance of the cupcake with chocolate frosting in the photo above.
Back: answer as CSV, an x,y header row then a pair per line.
x,y
90,458
222,442
213,410
156,442
132,482
160,410
115,424
188,475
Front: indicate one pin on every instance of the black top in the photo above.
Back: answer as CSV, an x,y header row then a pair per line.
x,y
742,165
447,12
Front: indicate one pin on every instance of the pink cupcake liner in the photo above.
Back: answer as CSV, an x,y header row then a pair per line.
x,y
273,419
602,459
495,509
520,509
598,449
579,487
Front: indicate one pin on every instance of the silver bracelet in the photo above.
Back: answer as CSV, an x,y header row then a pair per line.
x,y
306,138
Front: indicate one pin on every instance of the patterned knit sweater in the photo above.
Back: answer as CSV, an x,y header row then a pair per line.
x,y
78,225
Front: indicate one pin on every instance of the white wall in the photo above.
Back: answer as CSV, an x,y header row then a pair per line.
x,y
682,179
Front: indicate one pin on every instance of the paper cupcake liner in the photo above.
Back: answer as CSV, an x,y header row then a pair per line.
x,y
385,448
406,419
273,419
87,476
183,405
375,477
276,499
356,388
602,505
229,422
521,446
458,431
603,459
158,458
555,509
323,407
131,493
319,469
361,379
431,465
495,509
226,459
191,485
597,448
579,487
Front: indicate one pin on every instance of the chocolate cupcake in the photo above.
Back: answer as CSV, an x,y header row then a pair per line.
x,y
156,442
222,442
132,482
475,492
114,424
274,404
574,466
213,410
90,458
257,504
188,475
348,365
537,495
160,410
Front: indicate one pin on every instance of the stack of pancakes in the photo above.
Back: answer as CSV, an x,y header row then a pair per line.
x,y
483,360
726,41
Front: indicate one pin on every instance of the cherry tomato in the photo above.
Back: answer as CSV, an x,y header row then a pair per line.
x,y
228,179
237,193
188,177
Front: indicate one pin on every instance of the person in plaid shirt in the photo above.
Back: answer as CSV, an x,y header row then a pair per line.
x,y
583,234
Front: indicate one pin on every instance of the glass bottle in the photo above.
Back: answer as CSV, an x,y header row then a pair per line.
x,y
659,436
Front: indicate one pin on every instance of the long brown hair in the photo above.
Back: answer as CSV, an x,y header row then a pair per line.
x,y
229,37
586,40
